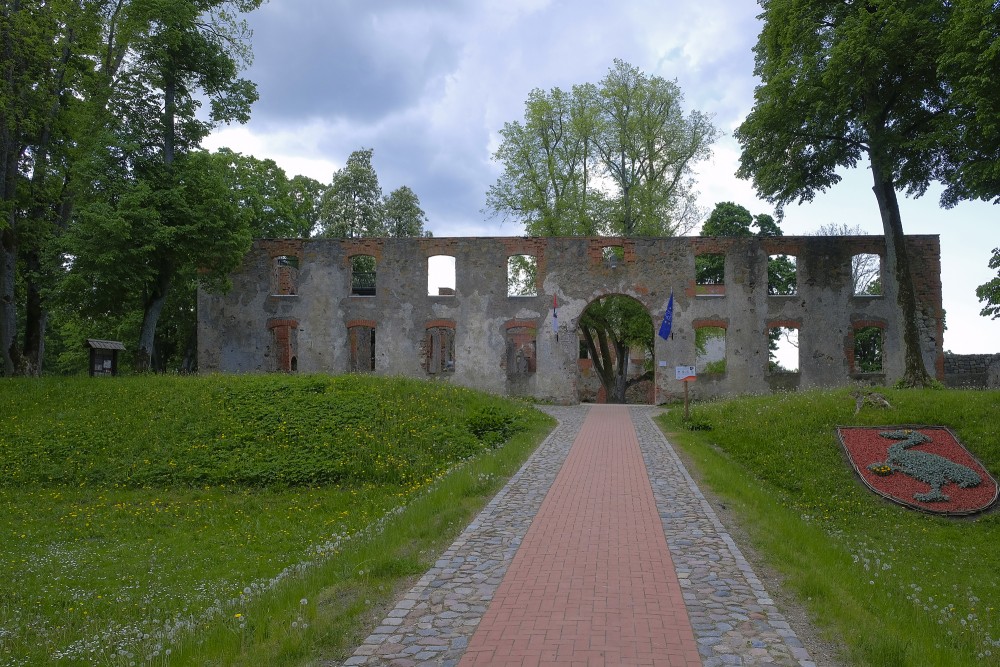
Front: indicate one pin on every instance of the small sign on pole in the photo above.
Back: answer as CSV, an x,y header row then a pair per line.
x,y
686,374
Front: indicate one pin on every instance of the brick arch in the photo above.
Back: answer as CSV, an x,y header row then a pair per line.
x,y
585,366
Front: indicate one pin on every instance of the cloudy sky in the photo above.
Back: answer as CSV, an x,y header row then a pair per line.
x,y
427,84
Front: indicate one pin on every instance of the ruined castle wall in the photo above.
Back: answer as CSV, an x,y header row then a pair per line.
x,y
291,308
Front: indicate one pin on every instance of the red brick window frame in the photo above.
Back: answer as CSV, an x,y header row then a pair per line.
x,y
866,347
361,346
439,347
284,339
521,357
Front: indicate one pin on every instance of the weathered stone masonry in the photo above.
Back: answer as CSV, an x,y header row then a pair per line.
x,y
291,308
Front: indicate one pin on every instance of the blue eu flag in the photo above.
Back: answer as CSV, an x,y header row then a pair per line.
x,y
668,318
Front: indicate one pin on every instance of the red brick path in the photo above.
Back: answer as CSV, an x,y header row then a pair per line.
x,y
592,583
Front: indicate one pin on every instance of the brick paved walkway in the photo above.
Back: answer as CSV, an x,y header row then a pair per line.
x,y
566,565
593,582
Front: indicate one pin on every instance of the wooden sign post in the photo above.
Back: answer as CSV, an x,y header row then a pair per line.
x,y
686,374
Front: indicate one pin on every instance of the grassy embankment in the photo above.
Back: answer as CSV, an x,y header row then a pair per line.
x,y
231,520
895,586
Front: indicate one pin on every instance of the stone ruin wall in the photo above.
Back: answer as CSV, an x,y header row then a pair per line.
x,y
972,371
291,308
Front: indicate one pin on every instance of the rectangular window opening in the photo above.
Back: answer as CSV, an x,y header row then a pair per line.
x,y
441,275
710,274
783,350
866,274
522,275
782,277
362,275
868,350
710,346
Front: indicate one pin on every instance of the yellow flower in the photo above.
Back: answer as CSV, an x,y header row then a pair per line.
x,y
238,616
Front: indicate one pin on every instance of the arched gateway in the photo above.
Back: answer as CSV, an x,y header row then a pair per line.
x,y
482,333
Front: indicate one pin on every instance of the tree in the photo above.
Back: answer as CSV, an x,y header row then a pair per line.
x,y
729,219
969,63
45,81
352,206
403,215
267,198
990,292
133,247
612,158
549,164
881,82
307,199
192,48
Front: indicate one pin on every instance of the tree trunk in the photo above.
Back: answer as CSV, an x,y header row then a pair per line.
x,y
600,355
621,376
8,305
35,318
150,316
898,265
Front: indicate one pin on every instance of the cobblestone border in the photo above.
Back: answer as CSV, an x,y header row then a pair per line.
x,y
434,621
734,619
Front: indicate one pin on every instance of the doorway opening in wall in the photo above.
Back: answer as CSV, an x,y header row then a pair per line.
x,y
617,332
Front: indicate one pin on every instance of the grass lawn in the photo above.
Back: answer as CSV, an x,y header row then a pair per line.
x,y
231,520
895,586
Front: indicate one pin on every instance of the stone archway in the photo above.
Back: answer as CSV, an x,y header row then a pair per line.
x,y
616,362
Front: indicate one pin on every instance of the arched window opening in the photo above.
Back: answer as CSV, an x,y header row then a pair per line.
x,y
868,349
440,350
521,348
361,340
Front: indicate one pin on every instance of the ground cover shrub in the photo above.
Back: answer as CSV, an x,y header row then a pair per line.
x,y
898,587
137,512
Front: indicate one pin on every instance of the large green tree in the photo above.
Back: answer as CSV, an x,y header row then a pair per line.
x,y
47,58
352,205
611,158
608,158
92,92
403,215
883,83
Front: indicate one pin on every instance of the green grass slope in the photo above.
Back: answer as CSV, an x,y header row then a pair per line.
x,y
231,520
895,586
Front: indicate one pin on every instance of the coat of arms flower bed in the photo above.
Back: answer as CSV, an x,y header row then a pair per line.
x,y
925,468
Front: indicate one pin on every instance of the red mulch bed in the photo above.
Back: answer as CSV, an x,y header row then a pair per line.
x,y
865,446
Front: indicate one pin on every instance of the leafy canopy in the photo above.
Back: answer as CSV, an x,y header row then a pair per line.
x,y
608,158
